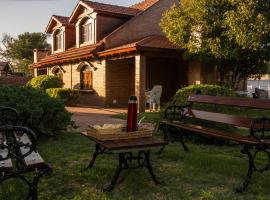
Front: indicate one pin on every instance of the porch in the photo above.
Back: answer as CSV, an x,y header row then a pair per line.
x,y
135,74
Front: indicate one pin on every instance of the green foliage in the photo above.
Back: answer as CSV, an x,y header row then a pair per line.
x,y
44,82
232,34
37,110
70,96
20,49
204,172
182,94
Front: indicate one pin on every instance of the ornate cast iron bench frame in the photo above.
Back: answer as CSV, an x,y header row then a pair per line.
x,y
175,127
18,153
128,151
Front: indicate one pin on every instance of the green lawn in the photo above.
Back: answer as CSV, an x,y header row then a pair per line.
x,y
206,172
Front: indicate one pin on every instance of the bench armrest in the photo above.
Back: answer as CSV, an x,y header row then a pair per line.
x,y
259,128
8,116
20,137
176,112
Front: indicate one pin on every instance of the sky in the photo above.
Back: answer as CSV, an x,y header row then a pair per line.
x,y
19,16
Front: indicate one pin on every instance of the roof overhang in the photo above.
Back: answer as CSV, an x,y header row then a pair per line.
x,y
80,5
53,22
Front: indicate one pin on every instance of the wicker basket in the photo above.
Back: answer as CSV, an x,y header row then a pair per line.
x,y
118,133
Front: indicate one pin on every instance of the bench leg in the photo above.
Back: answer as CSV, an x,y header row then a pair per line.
x,y
246,182
149,167
181,139
165,136
98,151
33,186
125,160
122,164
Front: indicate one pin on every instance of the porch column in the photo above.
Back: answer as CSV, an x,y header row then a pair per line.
x,y
140,73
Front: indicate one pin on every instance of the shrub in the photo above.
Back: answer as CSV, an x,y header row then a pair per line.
x,y
37,110
44,82
182,94
181,97
70,96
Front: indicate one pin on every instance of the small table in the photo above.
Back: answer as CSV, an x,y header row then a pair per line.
x,y
125,148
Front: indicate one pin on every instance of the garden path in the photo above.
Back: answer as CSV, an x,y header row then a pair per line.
x,y
84,116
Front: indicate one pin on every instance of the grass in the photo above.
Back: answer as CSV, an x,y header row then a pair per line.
x,y
206,172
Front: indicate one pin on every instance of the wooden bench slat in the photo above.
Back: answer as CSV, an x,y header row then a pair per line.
x,y
217,134
221,118
32,160
231,101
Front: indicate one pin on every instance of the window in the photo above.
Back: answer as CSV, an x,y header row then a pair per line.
x,y
85,31
86,78
58,72
58,40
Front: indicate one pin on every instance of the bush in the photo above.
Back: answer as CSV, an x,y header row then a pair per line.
x,y
70,96
181,97
37,110
44,82
182,94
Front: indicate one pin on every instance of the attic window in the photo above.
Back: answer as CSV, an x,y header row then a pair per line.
x,y
58,40
86,31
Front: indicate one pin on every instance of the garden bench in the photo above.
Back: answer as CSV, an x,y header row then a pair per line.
x,y
128,150
180,120
18,153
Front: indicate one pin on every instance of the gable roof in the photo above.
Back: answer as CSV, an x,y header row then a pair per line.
x,y
106,8
63,20
144,4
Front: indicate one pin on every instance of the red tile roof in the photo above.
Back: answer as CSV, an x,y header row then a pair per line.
x,y
62,19
69,55
144,4
112,8
154,41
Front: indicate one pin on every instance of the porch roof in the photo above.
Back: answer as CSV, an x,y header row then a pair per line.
x,y
71,54
150,42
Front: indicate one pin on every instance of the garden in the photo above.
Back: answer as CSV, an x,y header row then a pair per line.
x,y
208,171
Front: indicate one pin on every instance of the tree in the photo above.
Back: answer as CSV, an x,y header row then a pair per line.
x,y
20,50
232,34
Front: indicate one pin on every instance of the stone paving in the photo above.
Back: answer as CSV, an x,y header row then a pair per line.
x,y
84,116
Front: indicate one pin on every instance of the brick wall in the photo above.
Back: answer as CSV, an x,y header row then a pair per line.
x,y
117,82
143,25
107,24
14,80
71,79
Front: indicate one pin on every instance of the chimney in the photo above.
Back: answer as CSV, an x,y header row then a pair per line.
x,y
40,54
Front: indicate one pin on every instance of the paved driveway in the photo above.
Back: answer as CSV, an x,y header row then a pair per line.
x,y
83,116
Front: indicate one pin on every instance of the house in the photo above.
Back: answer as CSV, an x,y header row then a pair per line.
x,y
110,52
5,67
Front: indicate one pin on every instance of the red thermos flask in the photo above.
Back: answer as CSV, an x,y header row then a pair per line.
x,y
132,114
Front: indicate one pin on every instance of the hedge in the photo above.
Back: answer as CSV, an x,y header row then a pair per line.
x,y
38,111
182,94
69,96
44,82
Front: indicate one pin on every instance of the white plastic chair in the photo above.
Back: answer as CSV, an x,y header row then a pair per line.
x,y
153,97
